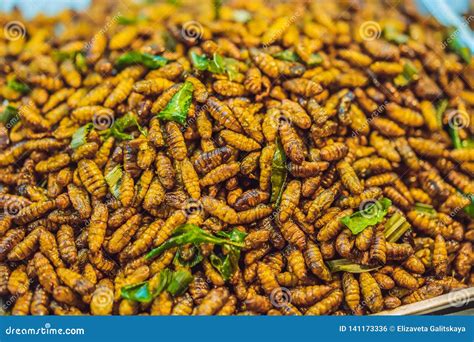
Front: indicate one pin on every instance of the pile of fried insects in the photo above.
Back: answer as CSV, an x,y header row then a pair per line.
x,y
236,158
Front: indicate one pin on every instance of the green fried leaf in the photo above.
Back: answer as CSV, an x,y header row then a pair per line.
x,y
227,263
18,86
178,107
391,34
145,59
457,46
123,20
179,282
470,208
137,292
217,8
278,174
120,125
79,137
425,209
369,216
190,233
216,65
344,265
409,74
113,179
80,62
287,55
8,114
188,262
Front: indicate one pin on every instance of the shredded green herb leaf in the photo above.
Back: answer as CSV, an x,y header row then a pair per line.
x,y
278,174
175,283
409,74
391,34
344,265
113,179
217,8
8,114
18,86
227,263
456,45
470,208
145,59
80,62
188,262
179,282
190,233
178,107
425,209
79,137
369,216
120,125
216,65
287,55
123,20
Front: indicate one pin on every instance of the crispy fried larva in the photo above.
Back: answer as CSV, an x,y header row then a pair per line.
x,y
371,292
92,178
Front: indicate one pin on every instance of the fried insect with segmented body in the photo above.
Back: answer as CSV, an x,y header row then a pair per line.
x,y
289,200
80,200
327,305
175,140
92,178
293,234
371,292
26,247
46,274
66,245
315,261
220,174
49,247
440,256
249,199
97,226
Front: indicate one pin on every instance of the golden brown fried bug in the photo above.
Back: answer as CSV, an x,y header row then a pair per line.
x,y
175,140
92,178
351,289
440,256
46,274
66,244
220,174
75,281
223,114
98,226
378,248
80,200
249,199
328,304
371,292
